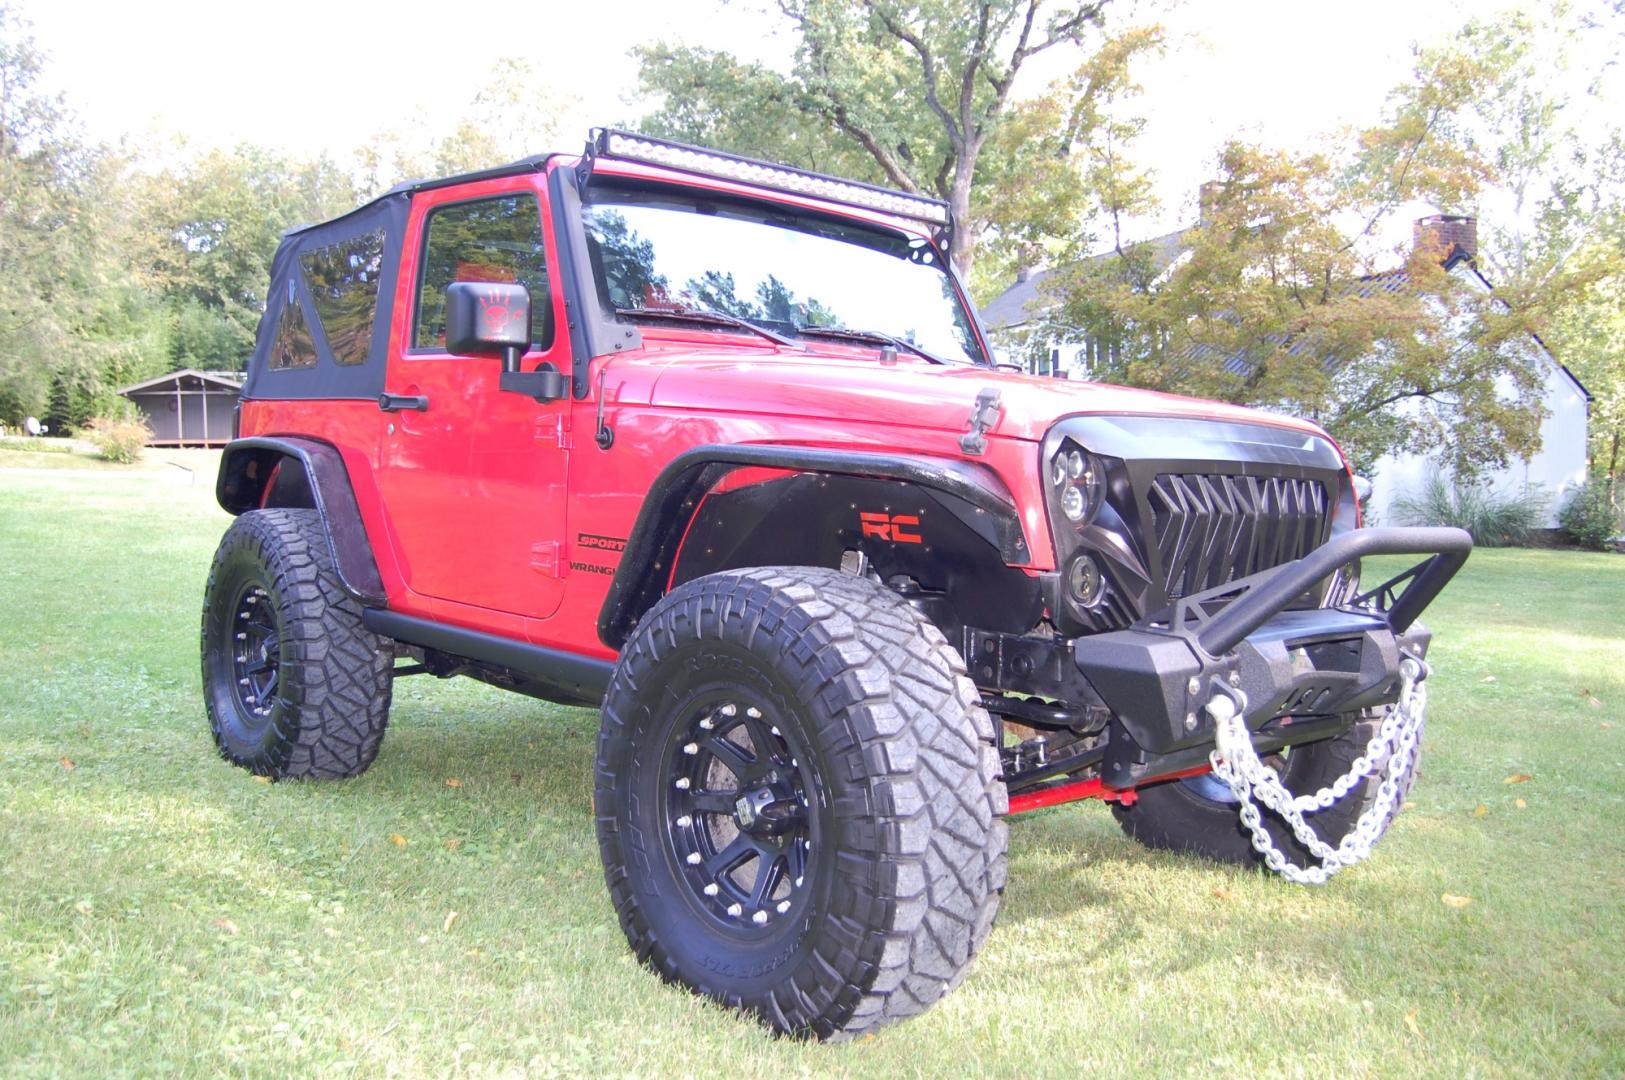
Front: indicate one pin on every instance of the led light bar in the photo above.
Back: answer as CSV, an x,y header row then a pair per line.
x,y
626,146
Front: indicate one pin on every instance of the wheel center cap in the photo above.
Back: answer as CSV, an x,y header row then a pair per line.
x,y
745,812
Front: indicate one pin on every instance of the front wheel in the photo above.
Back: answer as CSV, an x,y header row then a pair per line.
x,y
798,800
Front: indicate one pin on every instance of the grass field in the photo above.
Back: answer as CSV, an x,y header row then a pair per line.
x,y
163,913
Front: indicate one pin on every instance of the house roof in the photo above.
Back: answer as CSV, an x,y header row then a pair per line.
x,y
222,380
1025,299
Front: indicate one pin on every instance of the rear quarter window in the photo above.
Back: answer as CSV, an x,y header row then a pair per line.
x,y
343,281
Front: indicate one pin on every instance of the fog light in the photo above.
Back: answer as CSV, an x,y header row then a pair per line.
x,y
1085,580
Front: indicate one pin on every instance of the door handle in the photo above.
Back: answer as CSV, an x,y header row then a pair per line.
x,y
397,402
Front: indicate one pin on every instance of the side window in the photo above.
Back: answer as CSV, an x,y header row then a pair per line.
x,y
293,347
343,282
496,240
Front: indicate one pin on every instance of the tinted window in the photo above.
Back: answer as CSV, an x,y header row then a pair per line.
x,y
343,281
497,240
293,347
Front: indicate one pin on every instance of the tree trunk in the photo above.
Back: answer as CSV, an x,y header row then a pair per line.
x,y
963,252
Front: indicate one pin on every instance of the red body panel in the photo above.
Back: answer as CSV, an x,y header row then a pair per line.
x,y
498,513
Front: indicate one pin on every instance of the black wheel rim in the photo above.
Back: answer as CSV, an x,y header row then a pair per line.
x,y
255,649
738,821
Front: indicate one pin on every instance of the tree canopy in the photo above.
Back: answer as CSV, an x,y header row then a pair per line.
x,y
1277,296
919,96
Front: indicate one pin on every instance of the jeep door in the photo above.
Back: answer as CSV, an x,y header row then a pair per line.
x,y
473,485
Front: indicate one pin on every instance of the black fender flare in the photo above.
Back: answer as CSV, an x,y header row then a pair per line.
x,y
245,469
658,532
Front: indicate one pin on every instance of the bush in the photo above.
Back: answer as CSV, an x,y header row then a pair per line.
x,y
116,438
1493,518
1589,519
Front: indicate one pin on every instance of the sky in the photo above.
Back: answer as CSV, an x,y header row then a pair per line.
x,y
308,77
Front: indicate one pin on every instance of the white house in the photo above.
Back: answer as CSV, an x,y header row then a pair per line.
x,y
1555,470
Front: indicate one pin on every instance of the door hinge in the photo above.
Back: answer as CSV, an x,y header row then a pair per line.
x,y
551,428
544,558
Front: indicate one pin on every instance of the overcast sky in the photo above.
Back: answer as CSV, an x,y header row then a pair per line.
x,y
307,76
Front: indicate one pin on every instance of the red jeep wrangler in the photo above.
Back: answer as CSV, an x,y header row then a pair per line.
x,y
719,447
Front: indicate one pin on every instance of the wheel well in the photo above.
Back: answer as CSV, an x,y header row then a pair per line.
x,y
932,546
262,472
257,478
967,490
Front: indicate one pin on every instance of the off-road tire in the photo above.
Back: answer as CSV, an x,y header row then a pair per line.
x,y
1175,816
325,716
900,764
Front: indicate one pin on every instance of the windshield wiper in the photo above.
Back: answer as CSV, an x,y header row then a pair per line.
x,y
707,315
878,337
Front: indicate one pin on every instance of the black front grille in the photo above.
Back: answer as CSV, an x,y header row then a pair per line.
x,y
1211,530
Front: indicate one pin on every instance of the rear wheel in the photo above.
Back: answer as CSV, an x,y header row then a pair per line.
x,y
1199,814
798,800
294,684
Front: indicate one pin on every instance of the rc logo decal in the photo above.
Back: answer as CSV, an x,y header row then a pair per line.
x,y
898,528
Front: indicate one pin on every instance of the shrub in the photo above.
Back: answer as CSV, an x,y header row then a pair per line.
x,y
1495,519
117,438
1590,518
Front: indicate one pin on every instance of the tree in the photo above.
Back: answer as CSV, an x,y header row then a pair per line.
x,y
919,96
213,224
74,313
1277,297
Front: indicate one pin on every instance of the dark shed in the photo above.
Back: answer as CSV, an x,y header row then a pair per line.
x,y
188,407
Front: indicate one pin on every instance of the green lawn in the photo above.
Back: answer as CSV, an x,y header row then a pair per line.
x,y
161,912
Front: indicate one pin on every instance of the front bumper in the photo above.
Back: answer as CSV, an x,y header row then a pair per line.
x,y
1302,671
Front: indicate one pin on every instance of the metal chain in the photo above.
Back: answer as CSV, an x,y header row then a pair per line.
x,y
1237,763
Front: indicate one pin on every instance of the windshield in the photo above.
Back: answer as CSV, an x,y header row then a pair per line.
x,y
659,255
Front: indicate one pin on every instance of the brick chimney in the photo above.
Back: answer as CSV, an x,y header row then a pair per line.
x,y
1448,234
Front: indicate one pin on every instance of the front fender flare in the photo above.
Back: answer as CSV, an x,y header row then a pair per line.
x,y
245,468
658,533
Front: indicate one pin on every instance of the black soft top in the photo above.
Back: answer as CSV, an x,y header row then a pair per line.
x,y
369,238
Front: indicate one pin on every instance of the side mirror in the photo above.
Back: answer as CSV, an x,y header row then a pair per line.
x,y
488,319
493,319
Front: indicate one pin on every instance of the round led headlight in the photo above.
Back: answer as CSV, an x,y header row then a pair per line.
x,y
1072,503
1076,476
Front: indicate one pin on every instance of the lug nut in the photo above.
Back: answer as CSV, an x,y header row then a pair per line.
x,y
691,748
759,918
682,783
754,713
684,822
693,858
784,905
711,889
729,710
706,724
1194,686
735,910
